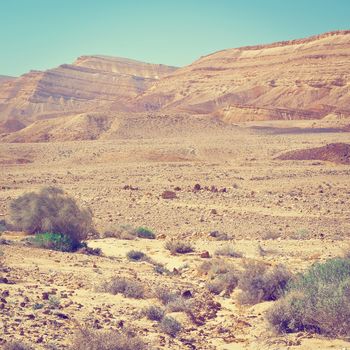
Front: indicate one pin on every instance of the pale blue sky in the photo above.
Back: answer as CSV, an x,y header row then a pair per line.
x,y
40,34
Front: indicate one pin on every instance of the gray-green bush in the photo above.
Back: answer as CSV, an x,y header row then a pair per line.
x,y
51,210
317,300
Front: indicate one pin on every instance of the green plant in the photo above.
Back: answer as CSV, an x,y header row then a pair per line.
x,y
143,232
259,282
128,287
86,339
135,255
317,300
154,313
180,247
54,241
51,210
170,326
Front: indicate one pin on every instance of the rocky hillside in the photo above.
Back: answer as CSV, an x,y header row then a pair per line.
x,y
299,79
291,80
90,83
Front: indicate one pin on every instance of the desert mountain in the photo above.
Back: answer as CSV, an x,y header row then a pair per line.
x,y
4,78
299,79
90,83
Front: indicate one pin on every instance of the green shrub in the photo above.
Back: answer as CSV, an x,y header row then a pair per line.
x,y
135,255
54,241
170,326
179,247
143,232
154,313
317,300
51,210
86,339
128,287
259,282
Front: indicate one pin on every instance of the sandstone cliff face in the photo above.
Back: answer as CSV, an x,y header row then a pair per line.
x,y
90,83
298,79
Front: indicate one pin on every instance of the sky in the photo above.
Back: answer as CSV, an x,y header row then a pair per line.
x,y
42,34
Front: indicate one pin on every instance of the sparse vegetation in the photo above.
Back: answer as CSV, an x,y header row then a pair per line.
x,y
223,277
143,232
154,313
86,339
135,255
165,295
179,304
128,287
51,210
228,250
17,346
126,232
180,247
317,300
170,326
259,282
54,241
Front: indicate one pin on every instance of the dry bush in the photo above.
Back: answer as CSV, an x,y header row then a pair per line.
x,y
179,247
136,255
128,287
170,326
86,339
222,276
154,313
51,210
17,346
228,250
165,295
179,304
126,232
259,282
220,236
316,301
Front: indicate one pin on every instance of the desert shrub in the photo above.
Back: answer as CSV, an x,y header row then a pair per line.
x,y
54,241
228,250
220,236
161,269
84,249
17,346
222,275
154,313
259,282
179,304
128,287
165,295
143,232
126,232
135,255
86,339
170,326
179,247
51,210
317,300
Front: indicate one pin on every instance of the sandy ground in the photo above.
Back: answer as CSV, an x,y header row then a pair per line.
x,y
303,205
